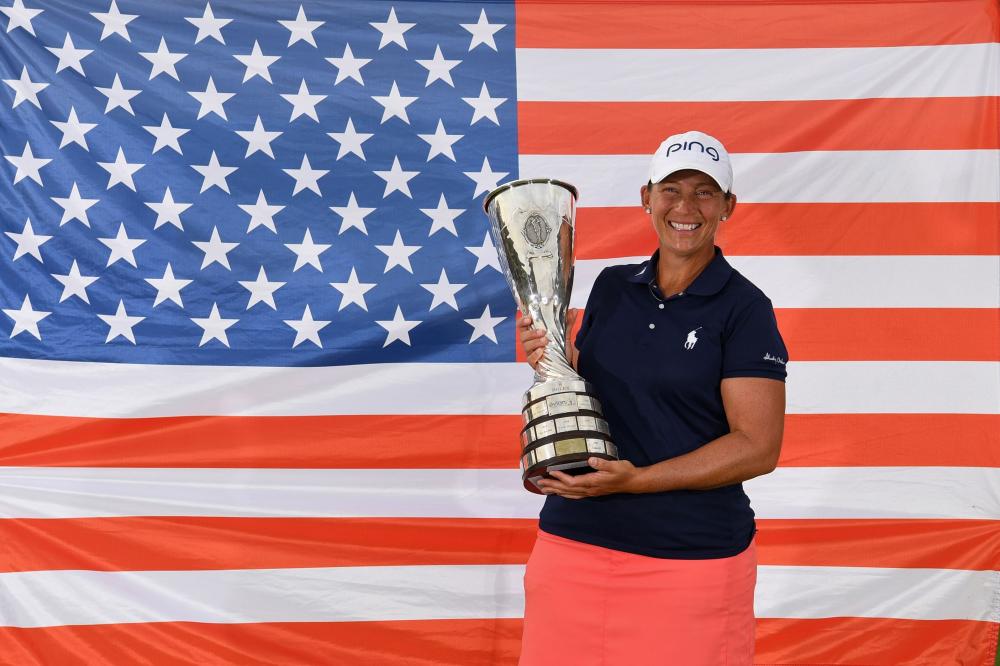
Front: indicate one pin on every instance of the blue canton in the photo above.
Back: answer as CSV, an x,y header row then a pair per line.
x,y
254,184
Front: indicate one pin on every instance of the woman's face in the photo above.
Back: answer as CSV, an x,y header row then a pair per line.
x,y
686,208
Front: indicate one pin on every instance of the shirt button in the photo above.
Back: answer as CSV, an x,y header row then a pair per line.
x,y
652,326
661,306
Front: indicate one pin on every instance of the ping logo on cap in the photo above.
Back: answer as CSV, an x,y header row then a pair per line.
x,y
690,145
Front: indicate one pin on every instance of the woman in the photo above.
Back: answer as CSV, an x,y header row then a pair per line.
x,y
651,559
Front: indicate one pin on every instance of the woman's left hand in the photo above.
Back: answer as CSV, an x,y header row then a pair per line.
x,y
612,476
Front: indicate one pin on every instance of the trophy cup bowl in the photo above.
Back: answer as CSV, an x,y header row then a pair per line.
x,y
532,224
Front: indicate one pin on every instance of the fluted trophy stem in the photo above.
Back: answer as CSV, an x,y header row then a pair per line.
x,y
552,365
532,226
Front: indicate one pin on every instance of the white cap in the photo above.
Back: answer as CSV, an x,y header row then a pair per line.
x,y
692,150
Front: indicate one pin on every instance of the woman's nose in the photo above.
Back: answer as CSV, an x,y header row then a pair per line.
x,y
682,203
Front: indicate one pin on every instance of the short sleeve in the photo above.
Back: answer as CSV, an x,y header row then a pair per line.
x,y
752,346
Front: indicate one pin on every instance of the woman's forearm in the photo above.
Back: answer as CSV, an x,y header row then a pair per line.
x,y
730,459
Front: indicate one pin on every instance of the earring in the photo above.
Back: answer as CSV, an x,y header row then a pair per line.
x,y
724,218
648,209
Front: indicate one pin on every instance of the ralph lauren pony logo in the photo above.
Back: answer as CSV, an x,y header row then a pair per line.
x,y
692,339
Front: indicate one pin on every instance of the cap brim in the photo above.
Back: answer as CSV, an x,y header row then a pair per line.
x,y
695,166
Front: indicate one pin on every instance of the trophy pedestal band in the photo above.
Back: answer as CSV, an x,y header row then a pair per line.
x,y
537,466
564,426
561,403
552,386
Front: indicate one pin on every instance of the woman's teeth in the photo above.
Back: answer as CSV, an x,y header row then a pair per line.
x,y
684,227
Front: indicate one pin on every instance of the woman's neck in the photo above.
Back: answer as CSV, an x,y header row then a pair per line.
x,y
675,273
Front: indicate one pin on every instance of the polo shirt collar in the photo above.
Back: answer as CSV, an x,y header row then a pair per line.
x,y
709,282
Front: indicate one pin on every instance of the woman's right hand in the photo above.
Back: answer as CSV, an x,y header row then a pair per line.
x,y
533,341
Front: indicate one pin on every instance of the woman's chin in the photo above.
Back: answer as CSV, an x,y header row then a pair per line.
x,y
685,247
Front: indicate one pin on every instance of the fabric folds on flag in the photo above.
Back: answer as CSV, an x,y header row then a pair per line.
x,y
259,385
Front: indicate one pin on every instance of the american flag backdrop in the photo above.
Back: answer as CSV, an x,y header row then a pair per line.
x,y
259,386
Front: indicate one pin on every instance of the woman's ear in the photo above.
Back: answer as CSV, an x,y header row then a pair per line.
x,y
731,201
644,197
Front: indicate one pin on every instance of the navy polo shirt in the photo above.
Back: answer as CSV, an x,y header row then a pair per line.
x,y
656,364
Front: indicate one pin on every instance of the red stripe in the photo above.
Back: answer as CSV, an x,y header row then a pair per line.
x,y
808,229
452,442
946,123
424,442
678,24
189,542
910,543
898,334
200,543
402,643
874,642
780,642
887,440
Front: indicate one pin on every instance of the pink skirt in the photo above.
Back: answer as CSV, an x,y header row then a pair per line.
x,y
586,605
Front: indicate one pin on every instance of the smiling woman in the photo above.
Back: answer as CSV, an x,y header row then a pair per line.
x,y
651,559
687,207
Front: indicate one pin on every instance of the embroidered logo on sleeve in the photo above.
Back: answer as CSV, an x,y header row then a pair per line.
x,y
774,359
692,339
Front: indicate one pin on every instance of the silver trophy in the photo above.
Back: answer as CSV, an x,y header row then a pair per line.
x,y
532,224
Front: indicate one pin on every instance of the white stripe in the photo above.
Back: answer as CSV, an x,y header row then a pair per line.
x,y
71,388
60,388
792,492
889,281
342,594
346,594
820,176
905,594
721,75
899,387
877,492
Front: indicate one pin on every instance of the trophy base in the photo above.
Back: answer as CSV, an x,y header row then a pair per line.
x,y
564,426
572,464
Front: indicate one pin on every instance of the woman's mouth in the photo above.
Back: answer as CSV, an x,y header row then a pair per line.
x,y
683,227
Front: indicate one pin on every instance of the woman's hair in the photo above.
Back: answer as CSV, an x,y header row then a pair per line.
x,y
727,195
